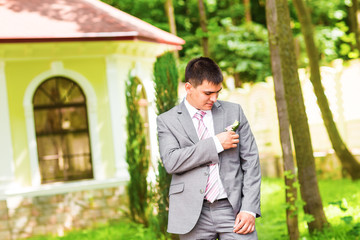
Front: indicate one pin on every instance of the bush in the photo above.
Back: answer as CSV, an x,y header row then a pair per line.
x,y
137,156
166,88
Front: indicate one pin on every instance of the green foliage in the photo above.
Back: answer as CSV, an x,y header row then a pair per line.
x,y
331,29
308,217
237,47
327,12
166,82
154,13
242,49
288,174
117,230
342,204
293,204
337,195
252,63
335,42
163,180
166,88
137,156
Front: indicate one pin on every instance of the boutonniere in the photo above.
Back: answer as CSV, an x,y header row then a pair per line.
x,y
233,127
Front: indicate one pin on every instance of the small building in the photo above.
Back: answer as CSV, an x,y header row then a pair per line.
x,y
63,68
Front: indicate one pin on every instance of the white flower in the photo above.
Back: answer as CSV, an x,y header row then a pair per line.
x,y
233,127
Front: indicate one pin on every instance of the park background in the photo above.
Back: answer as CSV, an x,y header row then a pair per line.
x,y
234,34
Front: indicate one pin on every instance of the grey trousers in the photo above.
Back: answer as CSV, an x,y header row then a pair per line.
x,y
216,221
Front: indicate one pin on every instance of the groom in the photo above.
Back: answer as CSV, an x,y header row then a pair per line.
x,y
215,186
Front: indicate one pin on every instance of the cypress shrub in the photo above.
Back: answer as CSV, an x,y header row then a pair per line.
x,y
137,156
166,91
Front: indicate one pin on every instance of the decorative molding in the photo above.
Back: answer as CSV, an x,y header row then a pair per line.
x,y
6,148
33,51
57,69
117,72
144,73
60,188
144,50
116,91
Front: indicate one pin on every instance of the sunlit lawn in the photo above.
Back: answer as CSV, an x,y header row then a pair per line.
x,y
341,200
123,230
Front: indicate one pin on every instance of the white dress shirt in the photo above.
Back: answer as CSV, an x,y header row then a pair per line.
x,y
209,123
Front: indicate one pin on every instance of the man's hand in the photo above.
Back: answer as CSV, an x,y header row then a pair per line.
x,y
244,223
228,139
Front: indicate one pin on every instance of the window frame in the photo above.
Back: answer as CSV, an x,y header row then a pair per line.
x,y
61,105
57,69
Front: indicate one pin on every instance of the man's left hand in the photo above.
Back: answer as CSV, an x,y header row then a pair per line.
x,y
244,223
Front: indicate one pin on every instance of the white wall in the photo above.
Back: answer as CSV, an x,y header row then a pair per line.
x,y
342,87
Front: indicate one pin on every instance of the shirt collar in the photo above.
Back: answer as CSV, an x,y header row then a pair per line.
x,y
192,110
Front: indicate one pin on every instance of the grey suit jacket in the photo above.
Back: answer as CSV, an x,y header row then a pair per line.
x,y
188,159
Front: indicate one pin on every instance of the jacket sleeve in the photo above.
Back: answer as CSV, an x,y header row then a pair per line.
x,y
250,164
179,157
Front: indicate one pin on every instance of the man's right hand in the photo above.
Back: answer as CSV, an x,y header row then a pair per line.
x,y
228,139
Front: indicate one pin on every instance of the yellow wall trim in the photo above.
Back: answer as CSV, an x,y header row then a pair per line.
x,y
6,149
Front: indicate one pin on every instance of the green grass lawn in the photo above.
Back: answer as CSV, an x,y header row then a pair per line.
x,y
123,230
341,200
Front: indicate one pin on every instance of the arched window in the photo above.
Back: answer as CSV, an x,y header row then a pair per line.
x,y
62,132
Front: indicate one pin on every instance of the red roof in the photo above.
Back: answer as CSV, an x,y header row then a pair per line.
x,y
73,20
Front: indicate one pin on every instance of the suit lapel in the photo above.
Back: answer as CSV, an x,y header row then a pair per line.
x,y
186,122
218,118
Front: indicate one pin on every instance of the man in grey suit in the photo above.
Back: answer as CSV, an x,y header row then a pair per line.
x,y
215,186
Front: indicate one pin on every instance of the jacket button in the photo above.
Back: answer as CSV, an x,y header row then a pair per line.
x,y
201,191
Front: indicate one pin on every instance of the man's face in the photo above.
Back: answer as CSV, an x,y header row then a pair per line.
x,y
203,96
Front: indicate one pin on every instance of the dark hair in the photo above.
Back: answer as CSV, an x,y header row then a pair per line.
x,y
203,68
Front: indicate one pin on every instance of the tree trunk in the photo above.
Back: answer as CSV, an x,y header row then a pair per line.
x,y
237,80
247,7
169,8
298,120
272,19
203,24
349,163
355,23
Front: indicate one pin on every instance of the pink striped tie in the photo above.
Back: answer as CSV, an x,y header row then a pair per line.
x,y
212,187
